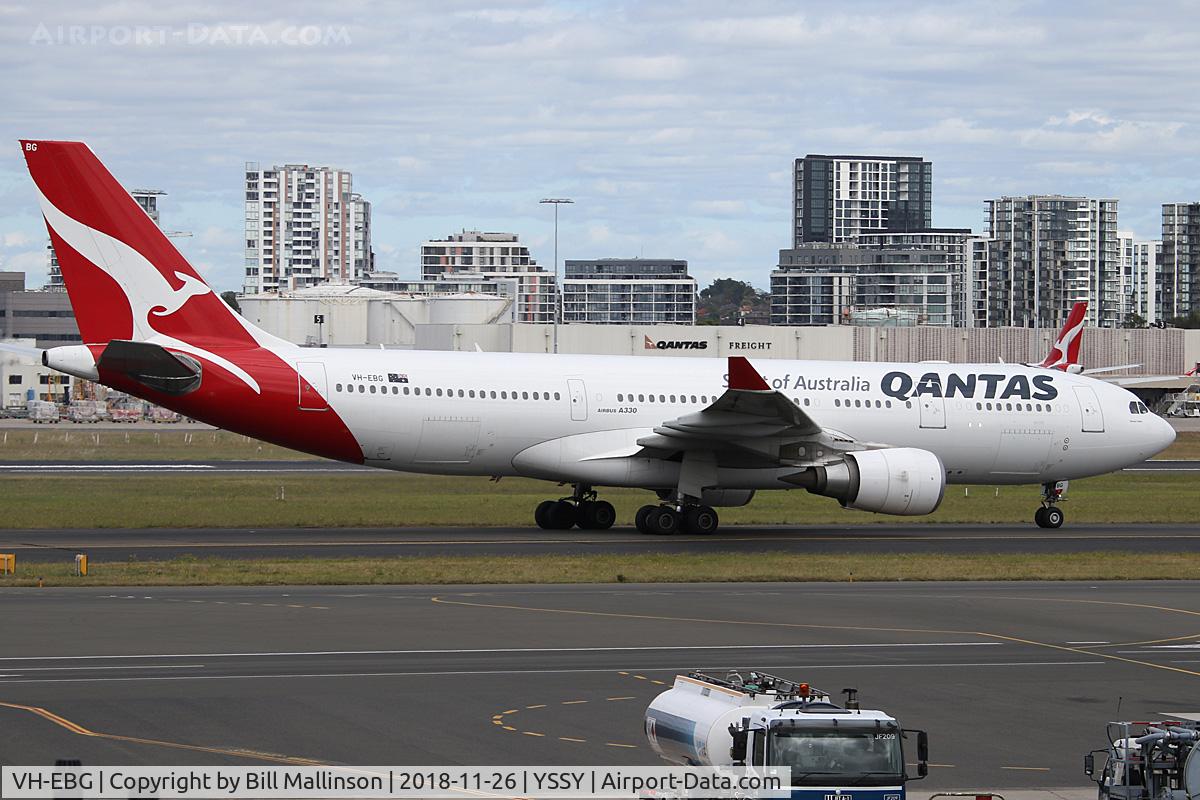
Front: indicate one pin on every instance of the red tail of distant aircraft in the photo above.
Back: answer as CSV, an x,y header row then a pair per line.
x,y
1064,353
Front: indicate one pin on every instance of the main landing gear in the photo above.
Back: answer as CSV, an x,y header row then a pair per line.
x,y
1049,515
669,519
581,508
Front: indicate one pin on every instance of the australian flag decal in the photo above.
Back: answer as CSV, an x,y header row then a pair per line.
x,y
397,377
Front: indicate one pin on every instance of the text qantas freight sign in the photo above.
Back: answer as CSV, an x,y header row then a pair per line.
x,y
675,344
902,385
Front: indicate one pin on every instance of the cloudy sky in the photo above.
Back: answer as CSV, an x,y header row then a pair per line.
x,y
672,125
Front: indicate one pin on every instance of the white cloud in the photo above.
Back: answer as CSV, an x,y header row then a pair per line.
x,y
719,208
646,68
673,126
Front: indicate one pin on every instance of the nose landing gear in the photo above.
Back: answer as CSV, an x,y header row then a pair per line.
x,y
1049,515
581,508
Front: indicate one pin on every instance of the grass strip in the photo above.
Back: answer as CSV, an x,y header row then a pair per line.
x,y
396,500
634,568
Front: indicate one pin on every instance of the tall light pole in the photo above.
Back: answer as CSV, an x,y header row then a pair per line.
x,y
556,202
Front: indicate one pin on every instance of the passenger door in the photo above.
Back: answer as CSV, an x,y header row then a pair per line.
x,y
578,395
1091,417
933,411
313,386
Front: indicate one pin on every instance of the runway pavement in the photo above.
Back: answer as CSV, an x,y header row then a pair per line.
x,y
317,466
1014,682
163,543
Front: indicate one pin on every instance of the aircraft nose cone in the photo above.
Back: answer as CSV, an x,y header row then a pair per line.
x,y
1164,434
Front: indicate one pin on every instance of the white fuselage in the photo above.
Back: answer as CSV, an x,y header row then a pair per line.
x,y
577,418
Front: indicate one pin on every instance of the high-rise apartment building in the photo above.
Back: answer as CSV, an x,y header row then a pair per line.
x,y
924,275
146,198
836,197
1139,279
1045,253
495,255
1179,272
612,291
304,225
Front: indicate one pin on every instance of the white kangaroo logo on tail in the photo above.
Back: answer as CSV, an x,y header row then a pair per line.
x,y
147,291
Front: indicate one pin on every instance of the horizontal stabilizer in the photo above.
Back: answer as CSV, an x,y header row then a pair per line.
x,y
21,350
152,366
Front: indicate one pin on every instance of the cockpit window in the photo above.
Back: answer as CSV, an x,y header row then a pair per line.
x,y
1133,408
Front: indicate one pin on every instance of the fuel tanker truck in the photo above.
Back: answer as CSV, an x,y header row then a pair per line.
x,y
760,720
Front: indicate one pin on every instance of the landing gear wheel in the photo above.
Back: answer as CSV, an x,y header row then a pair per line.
x,y
1049,517
597,515
540,514
700,520
639,521
561,515
664,521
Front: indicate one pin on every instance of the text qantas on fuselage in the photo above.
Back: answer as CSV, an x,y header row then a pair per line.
x,y
699,433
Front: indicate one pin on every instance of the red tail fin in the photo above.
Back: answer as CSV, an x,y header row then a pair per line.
x,y
125,278
1064,353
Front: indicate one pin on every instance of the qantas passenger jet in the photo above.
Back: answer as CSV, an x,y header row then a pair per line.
x,y
699,433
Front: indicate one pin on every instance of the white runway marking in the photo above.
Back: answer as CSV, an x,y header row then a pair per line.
x,y
97,467
452,673
506,650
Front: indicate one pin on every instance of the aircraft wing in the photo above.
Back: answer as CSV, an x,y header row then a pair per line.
x,y
749,408
750,425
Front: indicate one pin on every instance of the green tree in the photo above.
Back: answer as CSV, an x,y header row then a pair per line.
x,y
730,302
1191,320
231,299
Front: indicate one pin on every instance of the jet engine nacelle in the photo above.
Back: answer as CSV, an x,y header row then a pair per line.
x,y
905,481
726,498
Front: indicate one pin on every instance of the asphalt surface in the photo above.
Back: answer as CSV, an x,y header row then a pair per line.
x,y
1014,682
163,543
318,466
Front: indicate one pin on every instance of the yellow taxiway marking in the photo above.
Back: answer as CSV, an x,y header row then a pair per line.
x,y
531,733
82,731
570,739
540,705
626,697
572,702
618,744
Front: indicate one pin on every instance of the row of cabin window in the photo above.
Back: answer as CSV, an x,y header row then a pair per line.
x,y
465,393
865,403
663,398
1009,407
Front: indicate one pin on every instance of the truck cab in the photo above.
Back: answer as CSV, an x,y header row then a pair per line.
x,y
762,721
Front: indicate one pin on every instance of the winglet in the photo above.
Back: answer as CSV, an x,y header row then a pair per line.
x,y
745,377
1064,353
